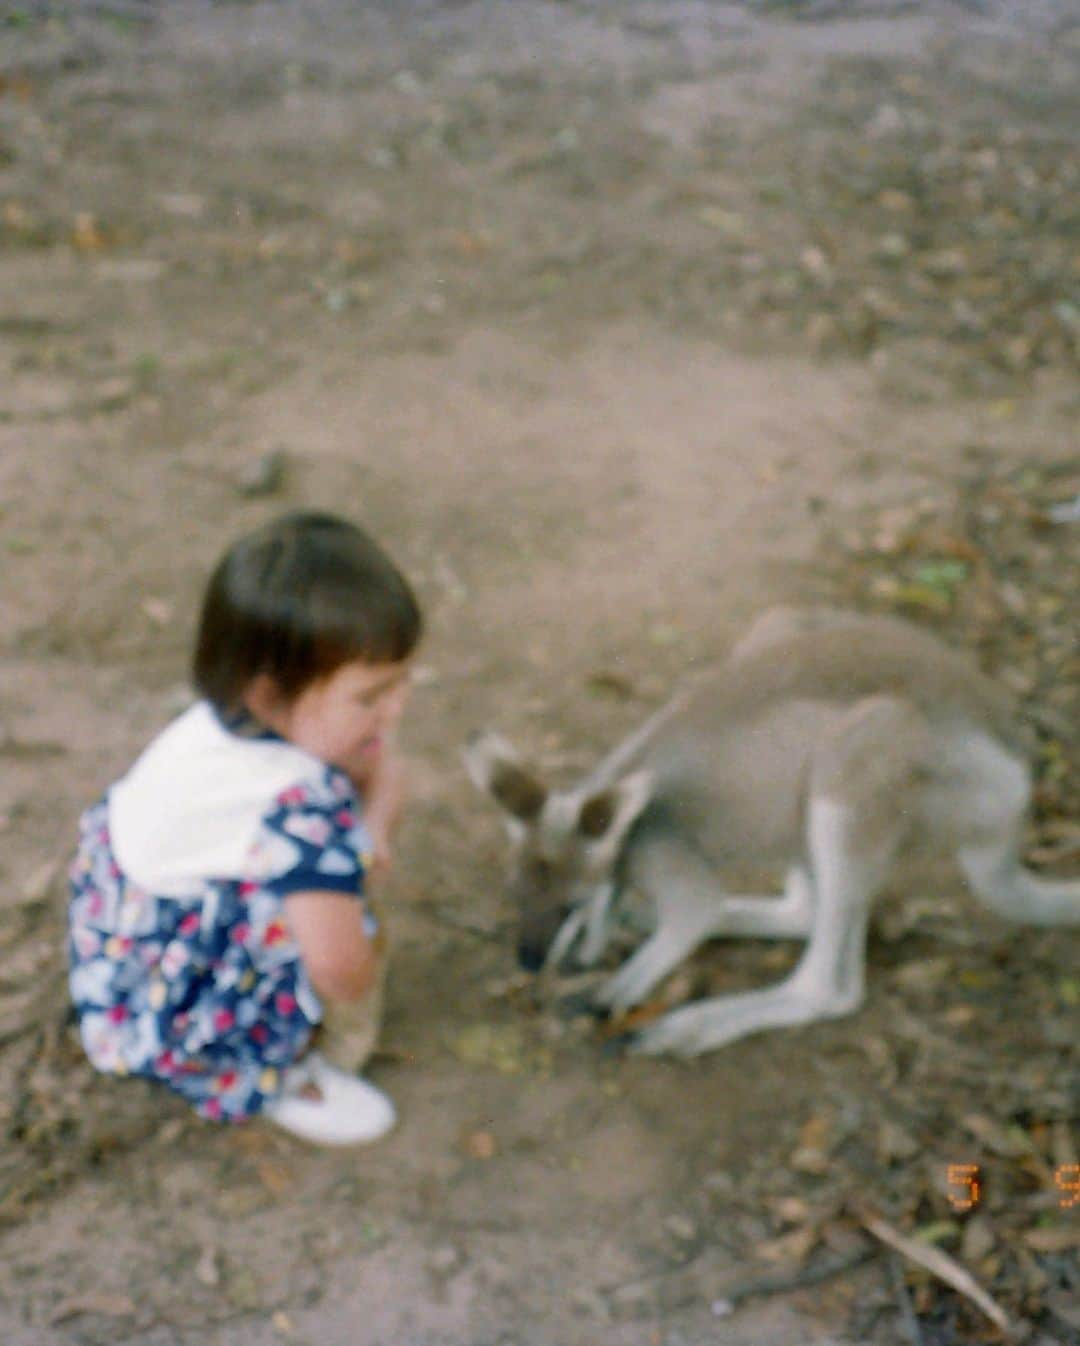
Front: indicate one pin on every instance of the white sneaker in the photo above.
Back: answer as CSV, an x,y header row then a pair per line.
x,y
325,1105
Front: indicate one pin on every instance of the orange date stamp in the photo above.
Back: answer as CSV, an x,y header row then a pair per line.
x,y
965,1184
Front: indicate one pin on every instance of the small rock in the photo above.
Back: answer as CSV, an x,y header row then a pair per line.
x,y
207,1270
632,1300
719,1183
264,476
946,264
886,121
924,976
113,394
40,881
814,262
895,201
590,1302
681,1228
158,610
136,270
446,1260
892,247
822,329
183,205
243,1290
791,1209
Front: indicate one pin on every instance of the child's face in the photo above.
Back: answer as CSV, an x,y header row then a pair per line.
x,y
346,717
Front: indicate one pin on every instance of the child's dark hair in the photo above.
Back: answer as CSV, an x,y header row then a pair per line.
x,y
296,599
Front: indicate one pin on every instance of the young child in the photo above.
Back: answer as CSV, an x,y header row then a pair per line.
x,y
218,913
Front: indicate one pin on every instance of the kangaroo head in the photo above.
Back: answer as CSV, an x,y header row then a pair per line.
x,y
564,845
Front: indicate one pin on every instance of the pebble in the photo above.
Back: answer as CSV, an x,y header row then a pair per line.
x,y
590,1302
632,1300
681,1228
207,1271
37,886
446,1260
264,476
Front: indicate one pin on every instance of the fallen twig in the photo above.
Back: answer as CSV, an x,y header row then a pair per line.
x,y
682,1285
813,1274
939,1264
102,1306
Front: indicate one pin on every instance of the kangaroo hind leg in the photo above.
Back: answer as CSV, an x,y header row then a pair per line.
x,y
857,817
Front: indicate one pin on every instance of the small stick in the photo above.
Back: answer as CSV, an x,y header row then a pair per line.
x,y
779,1283
679,1287
939,1264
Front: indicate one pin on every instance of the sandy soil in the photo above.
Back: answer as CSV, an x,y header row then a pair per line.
x,y
585,309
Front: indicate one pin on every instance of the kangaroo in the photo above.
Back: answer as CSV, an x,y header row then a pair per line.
x,y
828,743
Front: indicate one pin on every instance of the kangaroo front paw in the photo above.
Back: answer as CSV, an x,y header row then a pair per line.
x,y
643,972
622,991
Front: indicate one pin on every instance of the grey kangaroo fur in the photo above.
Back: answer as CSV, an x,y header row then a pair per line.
x,y
828,743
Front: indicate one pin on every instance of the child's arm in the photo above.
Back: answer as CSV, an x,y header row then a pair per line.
x,y
338,955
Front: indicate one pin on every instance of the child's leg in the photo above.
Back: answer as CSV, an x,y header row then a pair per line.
x,y
349,1032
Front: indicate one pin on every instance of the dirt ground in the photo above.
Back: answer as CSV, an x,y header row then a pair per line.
x,y
616,321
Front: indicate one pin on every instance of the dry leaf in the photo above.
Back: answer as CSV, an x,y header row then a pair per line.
x,y
1053,1238
273,1177
1010,1142
1064,1150
103,1306
812,1153
480,1145
40,881
790,1209
938,1264
978,1239
794,1247
86,234
894,1142
607,681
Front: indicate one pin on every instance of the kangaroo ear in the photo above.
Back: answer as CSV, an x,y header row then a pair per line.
x,y
607,814
495,767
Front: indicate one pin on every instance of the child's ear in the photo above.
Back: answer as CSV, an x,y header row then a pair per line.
x,y
262,698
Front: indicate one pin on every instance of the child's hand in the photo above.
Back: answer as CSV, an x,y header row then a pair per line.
x,y
384,799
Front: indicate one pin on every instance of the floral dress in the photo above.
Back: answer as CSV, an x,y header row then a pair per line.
x,y
207,992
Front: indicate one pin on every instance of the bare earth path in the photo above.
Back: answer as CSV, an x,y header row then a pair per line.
x,y
611,319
